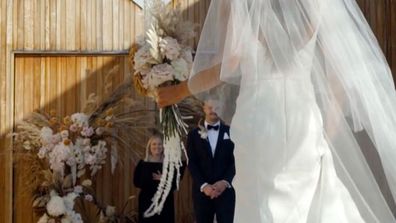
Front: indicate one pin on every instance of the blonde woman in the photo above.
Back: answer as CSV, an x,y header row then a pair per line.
x,y
147,177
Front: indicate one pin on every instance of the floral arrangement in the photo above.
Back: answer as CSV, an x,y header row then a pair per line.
x,y
164,58
62,155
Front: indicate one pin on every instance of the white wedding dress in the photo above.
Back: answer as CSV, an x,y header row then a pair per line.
x,y
285,170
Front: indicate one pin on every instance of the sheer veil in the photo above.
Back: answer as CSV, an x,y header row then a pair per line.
x,y
352,80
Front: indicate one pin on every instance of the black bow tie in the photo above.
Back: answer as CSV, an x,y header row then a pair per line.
x,y
214,127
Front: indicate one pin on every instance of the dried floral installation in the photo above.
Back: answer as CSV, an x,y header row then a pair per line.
x,y
62,155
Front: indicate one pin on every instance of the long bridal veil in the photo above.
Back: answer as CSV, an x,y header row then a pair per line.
x,y
352,80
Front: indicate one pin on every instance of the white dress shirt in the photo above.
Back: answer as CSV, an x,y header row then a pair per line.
x,y
213,136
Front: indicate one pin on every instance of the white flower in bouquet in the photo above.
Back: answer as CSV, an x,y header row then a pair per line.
x,y
110,211
181,68
66,219
90,159
88,197
80,119
27,145
160,74
73,217
87,131
170,48
100,152
94,169
71,161
55,139
43,219
73,127
187,55
78,155
64,134
58,156
99,131
46,135
56,206
143,59
78,189
68,201
79,142
43,152
87,183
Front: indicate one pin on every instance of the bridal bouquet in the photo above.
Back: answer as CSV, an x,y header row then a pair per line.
x,y
164,58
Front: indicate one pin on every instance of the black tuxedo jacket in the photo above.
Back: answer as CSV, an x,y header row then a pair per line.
x,y
206,168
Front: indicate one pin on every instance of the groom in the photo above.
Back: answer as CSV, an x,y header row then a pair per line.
x,y
212,166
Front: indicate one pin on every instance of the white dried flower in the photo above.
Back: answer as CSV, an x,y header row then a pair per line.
x,y
68,201
73,128
87,131
75,217
86,183
187,55
56,206
80,119
43,219
99,131
170,47
143,59
160,74
46,135
66,219
110,211
78,189
88,197
203,133
181,68
55,139
42,152
64,134
27,145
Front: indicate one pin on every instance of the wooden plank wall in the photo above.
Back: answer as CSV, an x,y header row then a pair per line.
x,y
94,26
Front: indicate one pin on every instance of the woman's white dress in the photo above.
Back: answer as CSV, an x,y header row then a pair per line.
x,y
284,166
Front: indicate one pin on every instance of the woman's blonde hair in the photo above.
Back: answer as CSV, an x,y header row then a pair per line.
x,y
148,150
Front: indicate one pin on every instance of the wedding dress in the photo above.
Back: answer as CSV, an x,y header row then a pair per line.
x,y
287,145
308,75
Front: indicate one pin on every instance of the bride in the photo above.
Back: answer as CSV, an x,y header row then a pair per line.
x,y
313,91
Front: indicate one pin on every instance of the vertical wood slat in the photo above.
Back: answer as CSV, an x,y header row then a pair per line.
x,y
3,165
99,24
28,24
70,25
8,115
20,30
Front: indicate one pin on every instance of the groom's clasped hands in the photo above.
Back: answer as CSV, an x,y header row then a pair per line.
x,y
215,190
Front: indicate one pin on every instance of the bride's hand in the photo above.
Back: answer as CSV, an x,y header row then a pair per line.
x,y
170,95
